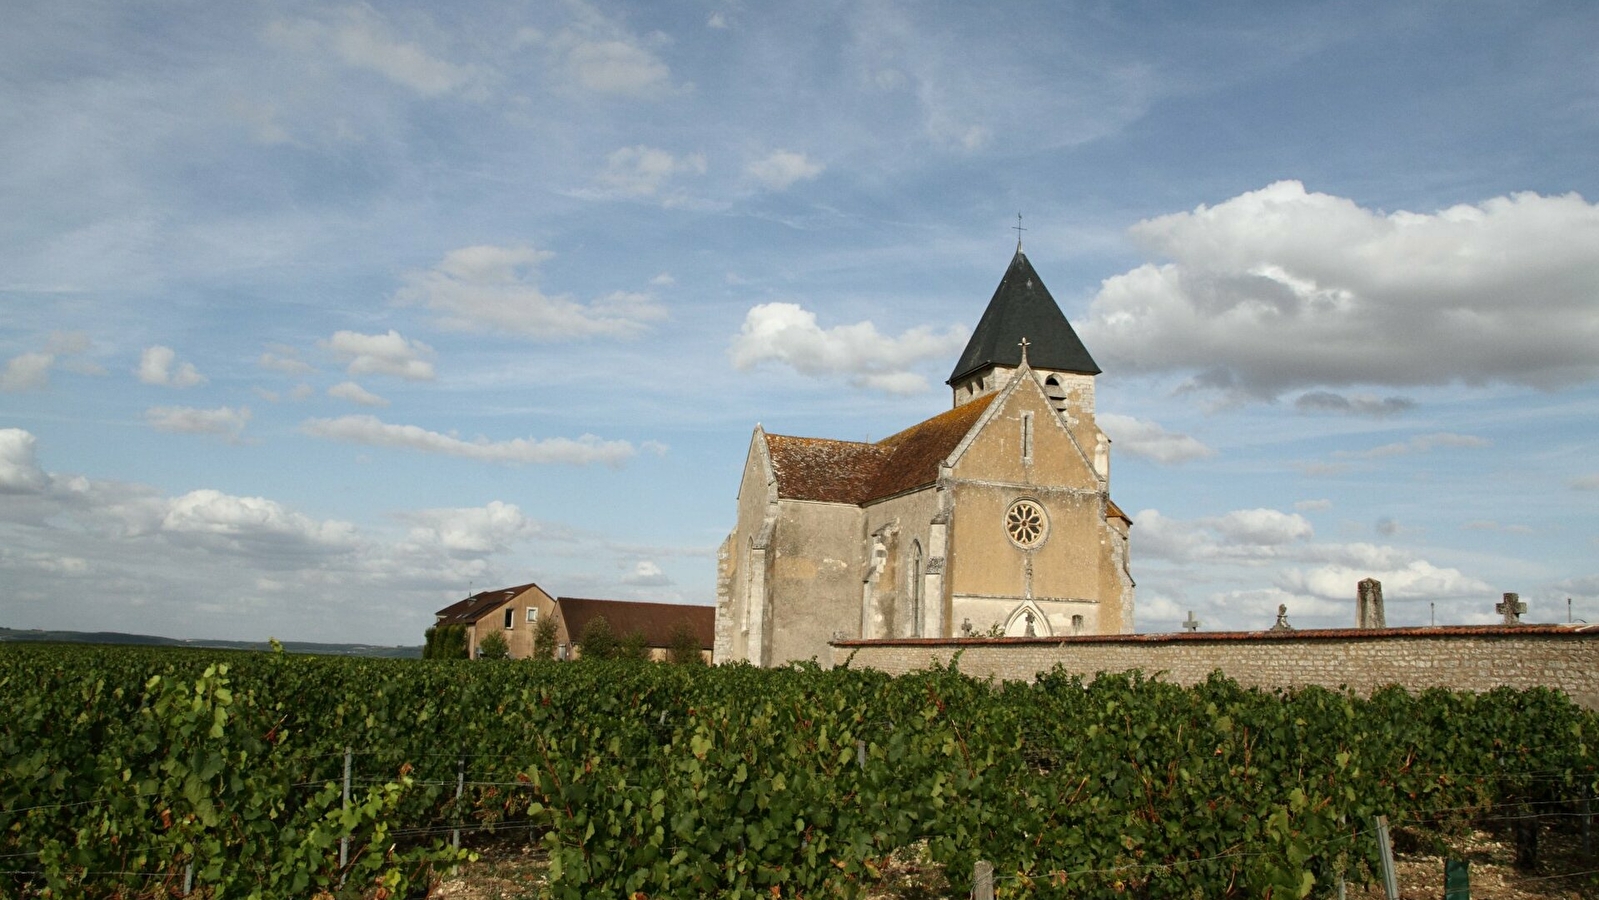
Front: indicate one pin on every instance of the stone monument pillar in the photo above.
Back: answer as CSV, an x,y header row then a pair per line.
x,y
1368,604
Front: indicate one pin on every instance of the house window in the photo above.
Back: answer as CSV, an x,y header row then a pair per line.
x,y
532,614
1027,437
564,651
510,617
1077,624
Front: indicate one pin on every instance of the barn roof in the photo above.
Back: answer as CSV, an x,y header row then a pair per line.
x,y
656,621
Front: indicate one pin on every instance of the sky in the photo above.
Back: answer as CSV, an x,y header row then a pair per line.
x,y
315,317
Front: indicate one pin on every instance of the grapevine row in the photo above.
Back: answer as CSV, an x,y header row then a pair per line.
x,y
130,772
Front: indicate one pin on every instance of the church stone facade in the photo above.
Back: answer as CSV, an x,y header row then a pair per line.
x,y
994,516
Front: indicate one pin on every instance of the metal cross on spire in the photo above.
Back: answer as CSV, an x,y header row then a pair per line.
x,y
1019,229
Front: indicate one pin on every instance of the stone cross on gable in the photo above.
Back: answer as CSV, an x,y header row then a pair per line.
x,y
1511,608
1024,344
1192,624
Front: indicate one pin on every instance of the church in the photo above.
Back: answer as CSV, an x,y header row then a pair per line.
x,y
994,517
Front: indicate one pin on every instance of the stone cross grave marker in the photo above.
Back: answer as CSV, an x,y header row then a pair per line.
x,y
1511,608
1191,624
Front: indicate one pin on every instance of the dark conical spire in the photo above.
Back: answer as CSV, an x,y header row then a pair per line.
x,y
1023,308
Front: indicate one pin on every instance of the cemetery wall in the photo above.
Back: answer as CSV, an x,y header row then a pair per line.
x,y
1475,658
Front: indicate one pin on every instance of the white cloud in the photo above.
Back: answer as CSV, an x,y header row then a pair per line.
x,y
1281,288
349,390
19,472
599,55
481,529
1585,483
382,354
1267,527
372,431
1423,443
717,20
787,333
664,279
1241,535
616,67
31,371
1415,580
646,574
210,513
160,559
1313,505
286,361
360,38
1146,439
642,171
224,420
26,372
156,367
781,168
489,288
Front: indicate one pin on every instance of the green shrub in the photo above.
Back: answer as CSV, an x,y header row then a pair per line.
x,y
493,646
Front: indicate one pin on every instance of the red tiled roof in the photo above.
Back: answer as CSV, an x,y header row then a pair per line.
x,y
854,472
656,621
919,449
822,469
468,611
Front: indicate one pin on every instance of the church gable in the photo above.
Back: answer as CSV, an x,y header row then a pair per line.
x,y
1022,440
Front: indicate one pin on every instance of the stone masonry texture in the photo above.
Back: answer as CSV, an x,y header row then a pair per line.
x,y
1472,658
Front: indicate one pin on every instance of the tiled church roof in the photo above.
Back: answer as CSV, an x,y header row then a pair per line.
x,y
823,469
854,472
918,450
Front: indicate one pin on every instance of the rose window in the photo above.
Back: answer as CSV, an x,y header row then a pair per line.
x,y
1026,524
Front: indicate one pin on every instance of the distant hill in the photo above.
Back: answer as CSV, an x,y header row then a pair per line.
x,y
149,640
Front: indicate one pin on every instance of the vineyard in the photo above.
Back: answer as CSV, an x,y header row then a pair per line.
x,y
136,773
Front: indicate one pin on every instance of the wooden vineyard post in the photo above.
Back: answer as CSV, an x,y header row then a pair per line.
x,y
983,880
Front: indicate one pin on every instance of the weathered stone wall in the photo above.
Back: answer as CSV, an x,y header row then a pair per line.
x,y
816,578
1475,658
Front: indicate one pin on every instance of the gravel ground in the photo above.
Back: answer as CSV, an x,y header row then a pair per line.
x,y
518,872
